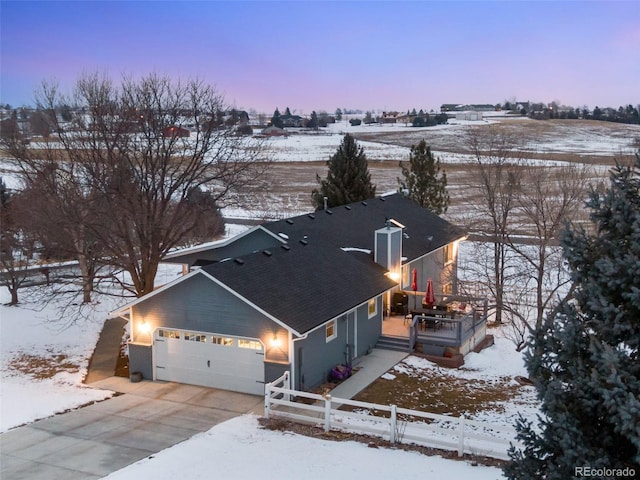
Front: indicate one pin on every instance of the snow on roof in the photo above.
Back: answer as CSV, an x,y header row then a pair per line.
x,y
355,249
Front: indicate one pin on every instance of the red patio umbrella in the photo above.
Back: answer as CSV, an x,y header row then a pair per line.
x,y
429,297
414,285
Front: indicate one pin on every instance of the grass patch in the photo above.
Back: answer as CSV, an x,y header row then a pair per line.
x,y
435,391
42,367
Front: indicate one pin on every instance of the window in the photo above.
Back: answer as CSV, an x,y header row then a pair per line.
x,y
169,333
227,342
447,289
195,337
406,282
249,344
331,331
373,307
448,254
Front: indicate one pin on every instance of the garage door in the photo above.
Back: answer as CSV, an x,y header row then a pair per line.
x,y
218,361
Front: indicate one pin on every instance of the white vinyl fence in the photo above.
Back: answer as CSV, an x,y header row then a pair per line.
x,y
401,426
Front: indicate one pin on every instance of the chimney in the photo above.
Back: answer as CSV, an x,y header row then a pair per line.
x,y
388,249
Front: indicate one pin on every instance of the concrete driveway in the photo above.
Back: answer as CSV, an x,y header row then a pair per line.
x,y
96,440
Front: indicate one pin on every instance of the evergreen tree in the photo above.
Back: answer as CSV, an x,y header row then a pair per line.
x,y
584,361
338,114
287,112
276,119
348,179
313,121
426,185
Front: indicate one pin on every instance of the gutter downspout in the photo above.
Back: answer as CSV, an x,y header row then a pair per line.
x,y
292,361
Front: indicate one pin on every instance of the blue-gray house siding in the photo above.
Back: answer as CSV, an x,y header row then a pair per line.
x,y
199,304
253,241
315,356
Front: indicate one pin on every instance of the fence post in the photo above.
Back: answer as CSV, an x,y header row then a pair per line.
x,y
287,385
327,413
393,424
461,436
267,398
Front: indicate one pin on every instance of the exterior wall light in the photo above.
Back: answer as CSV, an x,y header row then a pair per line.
x,y
144,327
275,341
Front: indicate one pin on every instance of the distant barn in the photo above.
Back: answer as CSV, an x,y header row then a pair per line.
x,y
174,131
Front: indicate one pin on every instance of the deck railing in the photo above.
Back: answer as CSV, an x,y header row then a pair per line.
x,y
448,331
390,422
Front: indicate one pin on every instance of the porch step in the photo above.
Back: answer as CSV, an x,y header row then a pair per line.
x,y
399,344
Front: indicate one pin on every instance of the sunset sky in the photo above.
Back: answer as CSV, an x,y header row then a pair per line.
x,y
327,54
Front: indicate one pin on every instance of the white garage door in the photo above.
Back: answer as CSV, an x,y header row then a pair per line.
x,y
218,361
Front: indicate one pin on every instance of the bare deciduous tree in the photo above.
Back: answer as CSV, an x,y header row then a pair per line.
x,y
549,199
497,184
16,248
148,184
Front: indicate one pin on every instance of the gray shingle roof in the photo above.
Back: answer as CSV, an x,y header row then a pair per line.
x,y
305,285
353,225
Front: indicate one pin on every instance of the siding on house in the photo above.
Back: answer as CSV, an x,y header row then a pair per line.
x,y
369,329
431,266
141,360
315,357
256,240
198,304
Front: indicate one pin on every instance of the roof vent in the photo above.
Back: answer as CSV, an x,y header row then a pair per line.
x,y
304,242
347,207
311,216
364,203
286,247
382,199
267,253
329,212
239,261
289,221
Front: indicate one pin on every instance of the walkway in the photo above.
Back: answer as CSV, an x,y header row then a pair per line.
x,y
94,441
370,367
105,356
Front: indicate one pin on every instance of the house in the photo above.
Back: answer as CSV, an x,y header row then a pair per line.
x,y
469,115
303,294
175,132
389,117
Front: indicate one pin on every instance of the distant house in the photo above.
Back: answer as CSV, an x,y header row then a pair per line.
x,y
475,107
303,294
451,107
295,121
469,116
175,131
389,117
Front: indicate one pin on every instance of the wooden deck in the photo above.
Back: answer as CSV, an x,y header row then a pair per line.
x,y
435,333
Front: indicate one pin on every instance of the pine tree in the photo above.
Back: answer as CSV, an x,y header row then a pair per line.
x,y
348,179
584,361
276,119
313,121
424,181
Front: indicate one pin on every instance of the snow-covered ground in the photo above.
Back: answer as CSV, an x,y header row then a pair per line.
x,y
44,358
238,449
